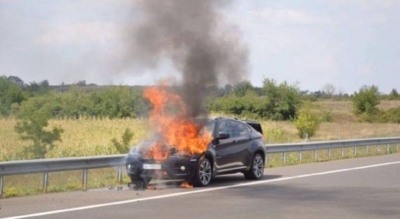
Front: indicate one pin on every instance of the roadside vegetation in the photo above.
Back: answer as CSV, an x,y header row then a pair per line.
x,y
42,121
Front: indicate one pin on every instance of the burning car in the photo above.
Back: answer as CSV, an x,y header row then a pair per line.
x,y
222,146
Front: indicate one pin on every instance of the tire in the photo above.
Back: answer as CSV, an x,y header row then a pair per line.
x,y
203,174
139,183
256,170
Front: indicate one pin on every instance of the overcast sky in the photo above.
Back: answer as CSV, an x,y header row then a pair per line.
x,y
347,43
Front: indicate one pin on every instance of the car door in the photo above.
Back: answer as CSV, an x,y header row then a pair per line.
x,y
242,143
229,151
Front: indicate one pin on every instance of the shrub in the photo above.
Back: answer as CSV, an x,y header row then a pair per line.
x,y
326,115
391,115
366,100
273,101
33,128
306,124
283,100
126,138
275,135
10,191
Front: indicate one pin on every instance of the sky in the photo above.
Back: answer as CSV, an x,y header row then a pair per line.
x,y
311,43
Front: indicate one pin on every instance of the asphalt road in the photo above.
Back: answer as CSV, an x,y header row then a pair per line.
x,y
354,188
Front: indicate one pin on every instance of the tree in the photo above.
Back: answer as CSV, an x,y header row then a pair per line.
x,y
329,90
33,128
393,94
123,146
114,102
38,88
283,100
81,83
366,100
241,88
10,94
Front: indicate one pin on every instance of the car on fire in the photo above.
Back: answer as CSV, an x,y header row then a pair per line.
x,y
236,146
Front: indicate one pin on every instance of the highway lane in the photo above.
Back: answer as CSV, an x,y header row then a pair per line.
x,y
302,191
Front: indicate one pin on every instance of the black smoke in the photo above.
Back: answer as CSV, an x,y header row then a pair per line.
x,y
193,34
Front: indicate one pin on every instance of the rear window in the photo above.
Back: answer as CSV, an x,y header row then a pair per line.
x,y
256,126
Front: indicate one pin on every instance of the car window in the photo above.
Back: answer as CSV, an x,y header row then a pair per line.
x,y
223,127
249,129
209,125
239,129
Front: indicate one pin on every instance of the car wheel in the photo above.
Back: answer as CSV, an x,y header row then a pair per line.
x,y
256,170
139,183
203,173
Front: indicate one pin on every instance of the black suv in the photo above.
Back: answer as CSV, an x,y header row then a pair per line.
x,y
236,146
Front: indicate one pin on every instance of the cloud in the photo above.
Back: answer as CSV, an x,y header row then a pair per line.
x,y
287,16
90,33
367,4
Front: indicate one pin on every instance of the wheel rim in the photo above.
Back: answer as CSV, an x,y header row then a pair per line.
x,y
258,166
205,172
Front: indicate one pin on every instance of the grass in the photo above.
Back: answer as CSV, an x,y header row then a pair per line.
x,y
83,137
31,184
341,110
285,132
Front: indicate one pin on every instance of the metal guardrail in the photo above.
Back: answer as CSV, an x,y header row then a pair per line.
x,y
309,146
315,146
85,163
61,164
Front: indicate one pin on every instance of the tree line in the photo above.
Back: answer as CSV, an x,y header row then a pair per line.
x,y
272,101
74,102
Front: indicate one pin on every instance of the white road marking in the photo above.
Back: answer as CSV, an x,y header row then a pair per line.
x,y
199,191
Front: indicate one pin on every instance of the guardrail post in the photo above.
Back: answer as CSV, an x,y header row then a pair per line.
x,y
300,156
284,157
329,153
342,151
45,181
397,147
387,148
84,179
1,186
315,155
119,174
366,150
355,151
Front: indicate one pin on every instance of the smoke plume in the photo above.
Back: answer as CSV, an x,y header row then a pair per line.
x,y
202,46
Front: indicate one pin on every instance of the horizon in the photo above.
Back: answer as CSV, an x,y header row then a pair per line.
x,y
86,83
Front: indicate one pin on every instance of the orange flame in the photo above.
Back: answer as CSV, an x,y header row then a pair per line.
x,y
172,125
185,184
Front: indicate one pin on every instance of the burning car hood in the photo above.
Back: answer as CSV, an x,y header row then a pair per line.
x,y
141,153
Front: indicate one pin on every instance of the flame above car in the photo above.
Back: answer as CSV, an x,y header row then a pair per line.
x,y
172,125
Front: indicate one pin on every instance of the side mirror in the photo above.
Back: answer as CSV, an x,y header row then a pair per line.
x,y
223,135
